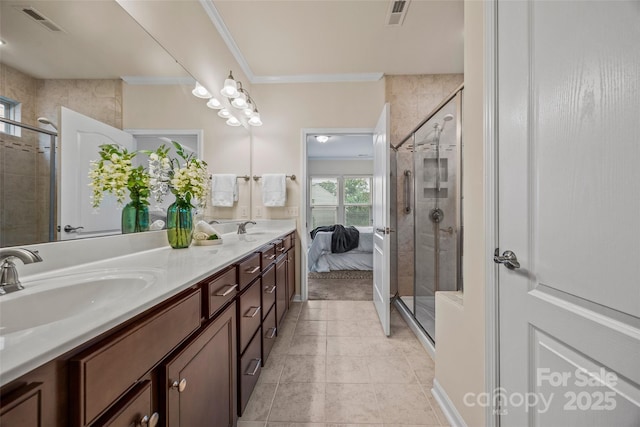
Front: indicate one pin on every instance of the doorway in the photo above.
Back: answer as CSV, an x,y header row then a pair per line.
x,y
337,175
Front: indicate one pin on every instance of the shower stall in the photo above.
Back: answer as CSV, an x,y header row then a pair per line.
x,y
428,164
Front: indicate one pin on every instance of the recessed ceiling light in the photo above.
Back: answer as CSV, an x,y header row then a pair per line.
x,y
322,138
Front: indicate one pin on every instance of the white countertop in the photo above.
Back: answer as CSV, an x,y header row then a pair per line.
x,y
174,270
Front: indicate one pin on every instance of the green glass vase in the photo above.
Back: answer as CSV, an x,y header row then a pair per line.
x,y
179,224
135,217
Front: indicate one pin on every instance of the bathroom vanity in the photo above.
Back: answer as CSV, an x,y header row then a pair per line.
x,y
188,356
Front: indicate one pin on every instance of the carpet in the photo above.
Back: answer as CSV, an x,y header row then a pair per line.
x,y
341,289
343,274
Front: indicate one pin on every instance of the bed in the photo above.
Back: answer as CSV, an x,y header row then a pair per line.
x,y
321,260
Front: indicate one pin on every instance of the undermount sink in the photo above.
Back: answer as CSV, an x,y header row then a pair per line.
x,y
52,299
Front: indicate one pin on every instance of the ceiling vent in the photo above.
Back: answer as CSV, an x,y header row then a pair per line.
x,y
397,12
39,18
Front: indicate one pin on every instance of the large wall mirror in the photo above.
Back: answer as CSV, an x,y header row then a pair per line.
x,y
94,59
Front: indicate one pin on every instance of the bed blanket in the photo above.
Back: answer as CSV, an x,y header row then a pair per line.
x,y
322,244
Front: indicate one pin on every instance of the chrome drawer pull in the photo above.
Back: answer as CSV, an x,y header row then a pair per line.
x,y
282,249
252,270
270,291
255,369
229,289
152,421
270,257
272,335
256,310
180,386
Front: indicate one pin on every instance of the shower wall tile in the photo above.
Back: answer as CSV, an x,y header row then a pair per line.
x,y
413,97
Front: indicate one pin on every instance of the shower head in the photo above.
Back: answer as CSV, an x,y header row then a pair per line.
x,y
46,121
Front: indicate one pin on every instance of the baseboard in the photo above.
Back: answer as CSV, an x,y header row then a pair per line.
x,y
417,330
447,406
297,298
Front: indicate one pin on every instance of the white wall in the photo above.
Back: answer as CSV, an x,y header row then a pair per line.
x,y
460,332
226,149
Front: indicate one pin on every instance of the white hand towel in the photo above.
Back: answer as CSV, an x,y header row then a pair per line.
x,y
224,189
205,227
274,189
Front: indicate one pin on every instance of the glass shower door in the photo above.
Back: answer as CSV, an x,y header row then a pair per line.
x,y
437,211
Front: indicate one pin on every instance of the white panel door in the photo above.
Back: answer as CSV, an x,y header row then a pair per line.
x,y
381,220
80,138
569,208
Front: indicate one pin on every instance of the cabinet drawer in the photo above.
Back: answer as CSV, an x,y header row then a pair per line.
x,y
135,409
22,409
222,290
268,334
250,313
103,373
250,366
267,255
280,248
287,242
249,269
268,290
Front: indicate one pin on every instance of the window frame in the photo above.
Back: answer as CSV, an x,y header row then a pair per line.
x,y
341,203
12,110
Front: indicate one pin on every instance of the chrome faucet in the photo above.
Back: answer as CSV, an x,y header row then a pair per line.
x,y
9,281
242,226
214,221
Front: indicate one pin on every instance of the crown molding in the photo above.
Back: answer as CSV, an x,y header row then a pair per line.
x,y
319,78
218,22
142,80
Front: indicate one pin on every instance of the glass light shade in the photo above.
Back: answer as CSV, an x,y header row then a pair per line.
x,y
201,91
322,138
255,120
230,89
214,104
240,102
224,113
232,121
248,111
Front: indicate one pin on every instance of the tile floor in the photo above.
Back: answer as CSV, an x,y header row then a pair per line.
x,y
332,365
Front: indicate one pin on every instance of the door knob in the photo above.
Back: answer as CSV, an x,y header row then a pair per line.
x,y
508,258
152,421
180,386
70,229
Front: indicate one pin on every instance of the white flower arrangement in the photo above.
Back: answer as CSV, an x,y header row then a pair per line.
x,y
189,182
114,174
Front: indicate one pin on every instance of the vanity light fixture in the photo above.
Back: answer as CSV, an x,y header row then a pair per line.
x,y
255,119
201,91
224,113
214,104
322,138
230,89
232,121
240,101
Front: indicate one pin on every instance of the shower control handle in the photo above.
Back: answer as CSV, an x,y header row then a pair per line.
x,y
508,258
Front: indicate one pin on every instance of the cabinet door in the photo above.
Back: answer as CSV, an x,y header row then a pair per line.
x,y
22,409
135,410
291,274
200,380
281,285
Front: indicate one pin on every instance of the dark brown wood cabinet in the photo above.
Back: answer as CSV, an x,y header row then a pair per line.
x,y
192,360
199,380
281,289
291,272
22,408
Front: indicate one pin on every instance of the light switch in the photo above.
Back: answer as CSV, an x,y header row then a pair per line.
x,y
244,212
258,211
